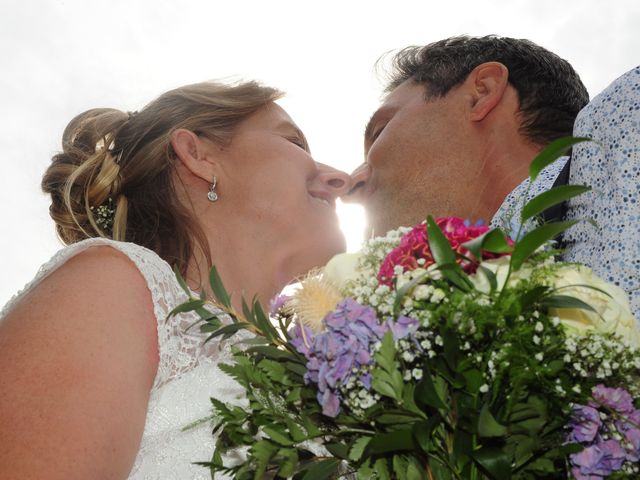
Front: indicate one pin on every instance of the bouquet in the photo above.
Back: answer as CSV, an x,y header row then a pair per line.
x,y
441,351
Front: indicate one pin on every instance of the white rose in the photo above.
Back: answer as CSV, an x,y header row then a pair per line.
x,y
613,313
500,268
342,269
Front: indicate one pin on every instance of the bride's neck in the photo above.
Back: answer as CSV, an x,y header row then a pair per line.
x,y
246,272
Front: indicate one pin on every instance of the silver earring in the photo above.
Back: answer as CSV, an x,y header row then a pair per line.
x,y
212,195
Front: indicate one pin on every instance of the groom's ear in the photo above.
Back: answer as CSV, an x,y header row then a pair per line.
x,y
487,84
195,154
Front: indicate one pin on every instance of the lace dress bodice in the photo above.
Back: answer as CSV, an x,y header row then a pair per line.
x,y
187,372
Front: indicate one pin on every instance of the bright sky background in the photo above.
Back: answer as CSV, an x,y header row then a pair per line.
x,y
61,57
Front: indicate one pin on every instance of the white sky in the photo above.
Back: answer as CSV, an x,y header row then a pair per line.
x,y
61,57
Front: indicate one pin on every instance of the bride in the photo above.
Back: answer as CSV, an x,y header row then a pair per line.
x,y
96,381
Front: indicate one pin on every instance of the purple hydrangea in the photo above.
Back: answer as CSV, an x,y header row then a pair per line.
x,y
603,454
629,426
617,399
342,349
277,303
585,423
598,461
403,327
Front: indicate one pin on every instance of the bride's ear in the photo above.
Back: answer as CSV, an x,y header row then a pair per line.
x,y
195,154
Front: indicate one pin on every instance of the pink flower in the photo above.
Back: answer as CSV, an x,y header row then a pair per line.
x,y
414,246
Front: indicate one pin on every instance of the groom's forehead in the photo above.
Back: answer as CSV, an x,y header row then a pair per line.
x,y
403,94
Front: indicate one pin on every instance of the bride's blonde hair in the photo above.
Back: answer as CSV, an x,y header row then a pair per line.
x,y
124,162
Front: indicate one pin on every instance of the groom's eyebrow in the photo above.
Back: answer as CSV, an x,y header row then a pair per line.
x,y
368,131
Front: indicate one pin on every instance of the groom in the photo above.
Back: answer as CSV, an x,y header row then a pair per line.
x,y
461,121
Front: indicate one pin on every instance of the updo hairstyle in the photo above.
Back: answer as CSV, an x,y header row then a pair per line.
x,y
124,163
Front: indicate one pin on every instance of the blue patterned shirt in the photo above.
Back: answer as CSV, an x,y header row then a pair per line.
x,y
612,168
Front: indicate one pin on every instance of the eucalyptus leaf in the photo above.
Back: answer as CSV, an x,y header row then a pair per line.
x,y
189,306
181,281
228,330
218,288
551,153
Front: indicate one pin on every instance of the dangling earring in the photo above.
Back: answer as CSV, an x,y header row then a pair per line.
x,y
212,195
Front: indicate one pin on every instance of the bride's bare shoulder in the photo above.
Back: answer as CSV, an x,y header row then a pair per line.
x,y
81,345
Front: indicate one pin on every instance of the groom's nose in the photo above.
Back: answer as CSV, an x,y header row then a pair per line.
x,y
359,178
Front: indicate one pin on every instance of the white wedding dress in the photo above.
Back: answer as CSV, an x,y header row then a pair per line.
x,y
187,373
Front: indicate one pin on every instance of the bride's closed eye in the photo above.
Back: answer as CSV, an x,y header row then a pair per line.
x,y
299,142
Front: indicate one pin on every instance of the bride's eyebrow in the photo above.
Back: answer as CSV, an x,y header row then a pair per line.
x,y
285,125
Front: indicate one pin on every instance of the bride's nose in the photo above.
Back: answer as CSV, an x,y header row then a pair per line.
x,y
359,179
335,181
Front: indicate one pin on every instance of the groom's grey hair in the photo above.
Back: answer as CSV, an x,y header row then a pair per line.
x,y
550,91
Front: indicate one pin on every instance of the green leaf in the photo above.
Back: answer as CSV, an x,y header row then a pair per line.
x,y
386,377
394,441
271,352
289,462
451,348
395,418
399,466
427,393
263,322
189,306
382,469
454,273
551,197
357,449
552,152
565,301
322,470
262,451
422,432
278,435
494,241
533,296
338,450
228,330
494,461
218,288
181,281
535,239
488,425
296,432
438,243
415,471
474,380
491,277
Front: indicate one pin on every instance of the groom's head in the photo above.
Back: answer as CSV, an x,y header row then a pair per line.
x,y
459,124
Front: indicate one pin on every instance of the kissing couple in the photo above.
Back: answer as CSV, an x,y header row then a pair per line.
x,y
98,382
